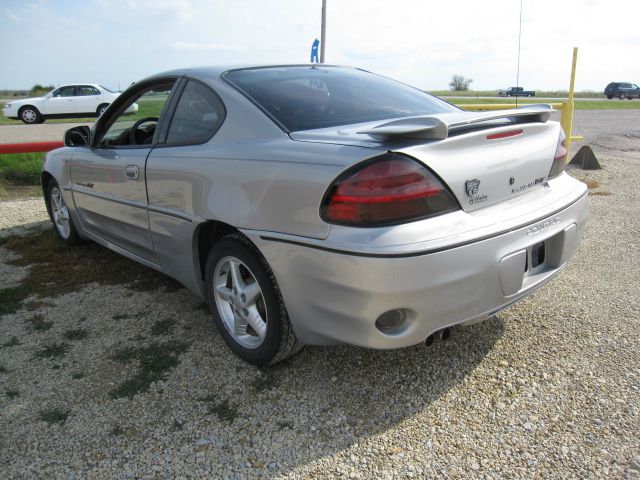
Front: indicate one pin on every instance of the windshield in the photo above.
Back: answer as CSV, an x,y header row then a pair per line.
x,y
305,98
108,89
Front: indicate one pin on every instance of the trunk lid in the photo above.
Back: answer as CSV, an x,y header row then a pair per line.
x,y
465,149
481,171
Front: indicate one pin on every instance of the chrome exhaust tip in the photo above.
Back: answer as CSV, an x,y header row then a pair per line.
x,y
431,339
445,334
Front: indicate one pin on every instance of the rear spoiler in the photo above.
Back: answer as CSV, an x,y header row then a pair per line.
x,y
437,127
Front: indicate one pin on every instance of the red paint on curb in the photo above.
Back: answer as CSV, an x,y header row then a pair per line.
x,y
29,147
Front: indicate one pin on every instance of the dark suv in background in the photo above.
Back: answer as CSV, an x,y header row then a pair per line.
x,y
622,90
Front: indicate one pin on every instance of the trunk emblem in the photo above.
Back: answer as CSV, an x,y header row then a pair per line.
x,y
512,180
472,186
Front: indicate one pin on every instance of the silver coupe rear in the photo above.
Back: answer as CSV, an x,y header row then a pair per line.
x,y
320,204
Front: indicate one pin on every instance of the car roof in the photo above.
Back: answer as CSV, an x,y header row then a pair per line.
x,y
213,71
76,84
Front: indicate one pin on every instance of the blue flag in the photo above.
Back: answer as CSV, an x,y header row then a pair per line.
x,y
314,51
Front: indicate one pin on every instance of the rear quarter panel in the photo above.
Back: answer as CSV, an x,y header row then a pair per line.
x,y
269,185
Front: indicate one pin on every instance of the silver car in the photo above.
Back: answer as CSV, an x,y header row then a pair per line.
x,y
321,204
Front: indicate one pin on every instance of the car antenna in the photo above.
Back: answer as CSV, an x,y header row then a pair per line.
x,y
518,69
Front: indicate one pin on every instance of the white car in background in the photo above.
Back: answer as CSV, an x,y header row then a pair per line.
x,y
67,101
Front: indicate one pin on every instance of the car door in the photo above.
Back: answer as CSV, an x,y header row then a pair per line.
x,y
108,177
61,101
176,183
87,100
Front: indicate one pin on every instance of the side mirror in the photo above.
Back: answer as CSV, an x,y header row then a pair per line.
x,y
78,136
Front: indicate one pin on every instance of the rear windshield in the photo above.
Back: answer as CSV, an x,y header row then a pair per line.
x,y
305,98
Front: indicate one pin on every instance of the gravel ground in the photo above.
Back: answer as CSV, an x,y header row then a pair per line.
x,y
548,389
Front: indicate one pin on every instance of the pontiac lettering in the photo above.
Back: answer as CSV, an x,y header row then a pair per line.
x,y
533,230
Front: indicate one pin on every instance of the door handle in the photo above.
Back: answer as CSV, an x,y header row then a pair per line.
x,y
132,172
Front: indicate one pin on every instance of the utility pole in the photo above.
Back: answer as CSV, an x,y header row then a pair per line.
x,y
323,33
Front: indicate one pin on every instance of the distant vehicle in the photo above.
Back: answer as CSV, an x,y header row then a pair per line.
x,y
622,90
67,101
516,92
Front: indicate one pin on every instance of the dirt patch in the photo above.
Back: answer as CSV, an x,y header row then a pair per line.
x,y
56,269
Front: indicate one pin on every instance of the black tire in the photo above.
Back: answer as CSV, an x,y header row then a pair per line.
x,y
101,108
30,115
609,97
71,237
280,340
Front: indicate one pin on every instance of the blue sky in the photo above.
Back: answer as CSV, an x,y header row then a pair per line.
x,y
116,42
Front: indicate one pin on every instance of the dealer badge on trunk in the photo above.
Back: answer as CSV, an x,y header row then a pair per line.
x,y
471,187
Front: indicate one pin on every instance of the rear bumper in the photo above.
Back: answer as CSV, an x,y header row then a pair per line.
x,y
334,296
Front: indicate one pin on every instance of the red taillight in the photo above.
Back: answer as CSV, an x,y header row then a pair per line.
x,y
560,158
387,190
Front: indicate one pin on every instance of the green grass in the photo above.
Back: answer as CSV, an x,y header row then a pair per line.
x,y
21,168
579,104
155,361
37,323
54,415
13,342
129,316
223,409
265,381
11,298
53,350
11,394
163,327
76,334
539,93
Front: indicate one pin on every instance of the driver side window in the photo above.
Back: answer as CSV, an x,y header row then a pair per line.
x,y
137,123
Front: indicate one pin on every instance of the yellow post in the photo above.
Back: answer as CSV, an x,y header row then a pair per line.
x,y
568,111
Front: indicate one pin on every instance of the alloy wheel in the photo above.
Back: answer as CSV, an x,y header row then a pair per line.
x,y
60,213
240,302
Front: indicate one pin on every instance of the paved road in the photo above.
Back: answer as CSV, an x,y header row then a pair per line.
x,y
43,132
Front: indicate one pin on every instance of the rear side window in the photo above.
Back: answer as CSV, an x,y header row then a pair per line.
x,y
304,98
198,115
86,90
